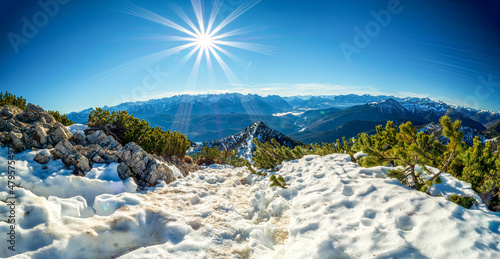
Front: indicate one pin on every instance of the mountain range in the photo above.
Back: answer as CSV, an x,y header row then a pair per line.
x,y
309,119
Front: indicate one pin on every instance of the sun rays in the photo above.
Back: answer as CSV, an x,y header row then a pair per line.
x,y
204,37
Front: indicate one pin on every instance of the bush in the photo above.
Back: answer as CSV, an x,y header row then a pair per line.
x,y
125,128
10,99
406,147
61,118
465,202
271,154
213,155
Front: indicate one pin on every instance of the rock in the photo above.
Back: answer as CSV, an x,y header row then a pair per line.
x,y
110,143
8,125
30,141
124,171
9,112
96,137
60,133
99,160
35,108
17,141
64,148
184,168
98,154
146,169
79,139
42,157
71,157
41,134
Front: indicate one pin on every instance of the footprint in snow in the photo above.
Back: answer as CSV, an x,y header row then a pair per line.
x,y
348,191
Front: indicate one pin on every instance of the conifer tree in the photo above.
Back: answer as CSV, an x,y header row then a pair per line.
x,y
405,148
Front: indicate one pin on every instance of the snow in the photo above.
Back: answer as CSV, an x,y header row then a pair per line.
x,y
77,128
288,113
331,208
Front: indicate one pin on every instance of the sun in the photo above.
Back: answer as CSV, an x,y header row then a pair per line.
x,y
204,41
206,38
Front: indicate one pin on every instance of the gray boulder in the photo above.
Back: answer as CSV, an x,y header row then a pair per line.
x,y
34,108
40,134
17,140
145,168
43,157
59,133
96,137
71,157
79,139
9,112
124,171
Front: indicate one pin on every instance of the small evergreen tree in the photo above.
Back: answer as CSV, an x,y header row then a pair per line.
x,y
10,99
63,119
405,148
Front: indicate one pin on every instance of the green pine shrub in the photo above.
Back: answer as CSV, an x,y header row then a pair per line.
x,y
277,181
63,119
407,148
125,128
213,155
464,201
10,99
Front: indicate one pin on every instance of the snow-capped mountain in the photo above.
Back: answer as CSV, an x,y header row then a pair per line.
x,y
211,116
423,106
242,141
390,106
187,105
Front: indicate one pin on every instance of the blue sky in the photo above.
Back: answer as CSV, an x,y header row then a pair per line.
x,y
74,58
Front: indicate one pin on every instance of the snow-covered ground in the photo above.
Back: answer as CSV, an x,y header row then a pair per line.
x,y
77,128
332,208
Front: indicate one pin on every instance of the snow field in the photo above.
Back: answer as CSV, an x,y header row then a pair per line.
x,y
332,208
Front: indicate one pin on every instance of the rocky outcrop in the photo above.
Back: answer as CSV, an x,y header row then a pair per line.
x,y
32,128
143,167
35,128
71,157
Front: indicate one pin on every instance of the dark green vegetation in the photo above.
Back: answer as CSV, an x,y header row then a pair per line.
x,y
20,102
125,128
214,155
408,149
410,152
478,165
10,99
465,202
61,118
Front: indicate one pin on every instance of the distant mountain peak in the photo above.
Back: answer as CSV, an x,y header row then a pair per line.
x,y
242,141
390,106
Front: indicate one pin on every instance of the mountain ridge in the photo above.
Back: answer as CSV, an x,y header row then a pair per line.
x,y
212,116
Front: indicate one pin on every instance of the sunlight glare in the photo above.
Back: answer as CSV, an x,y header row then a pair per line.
x,y
205,38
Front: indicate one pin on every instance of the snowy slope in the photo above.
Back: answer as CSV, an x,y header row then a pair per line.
x,y
332,208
